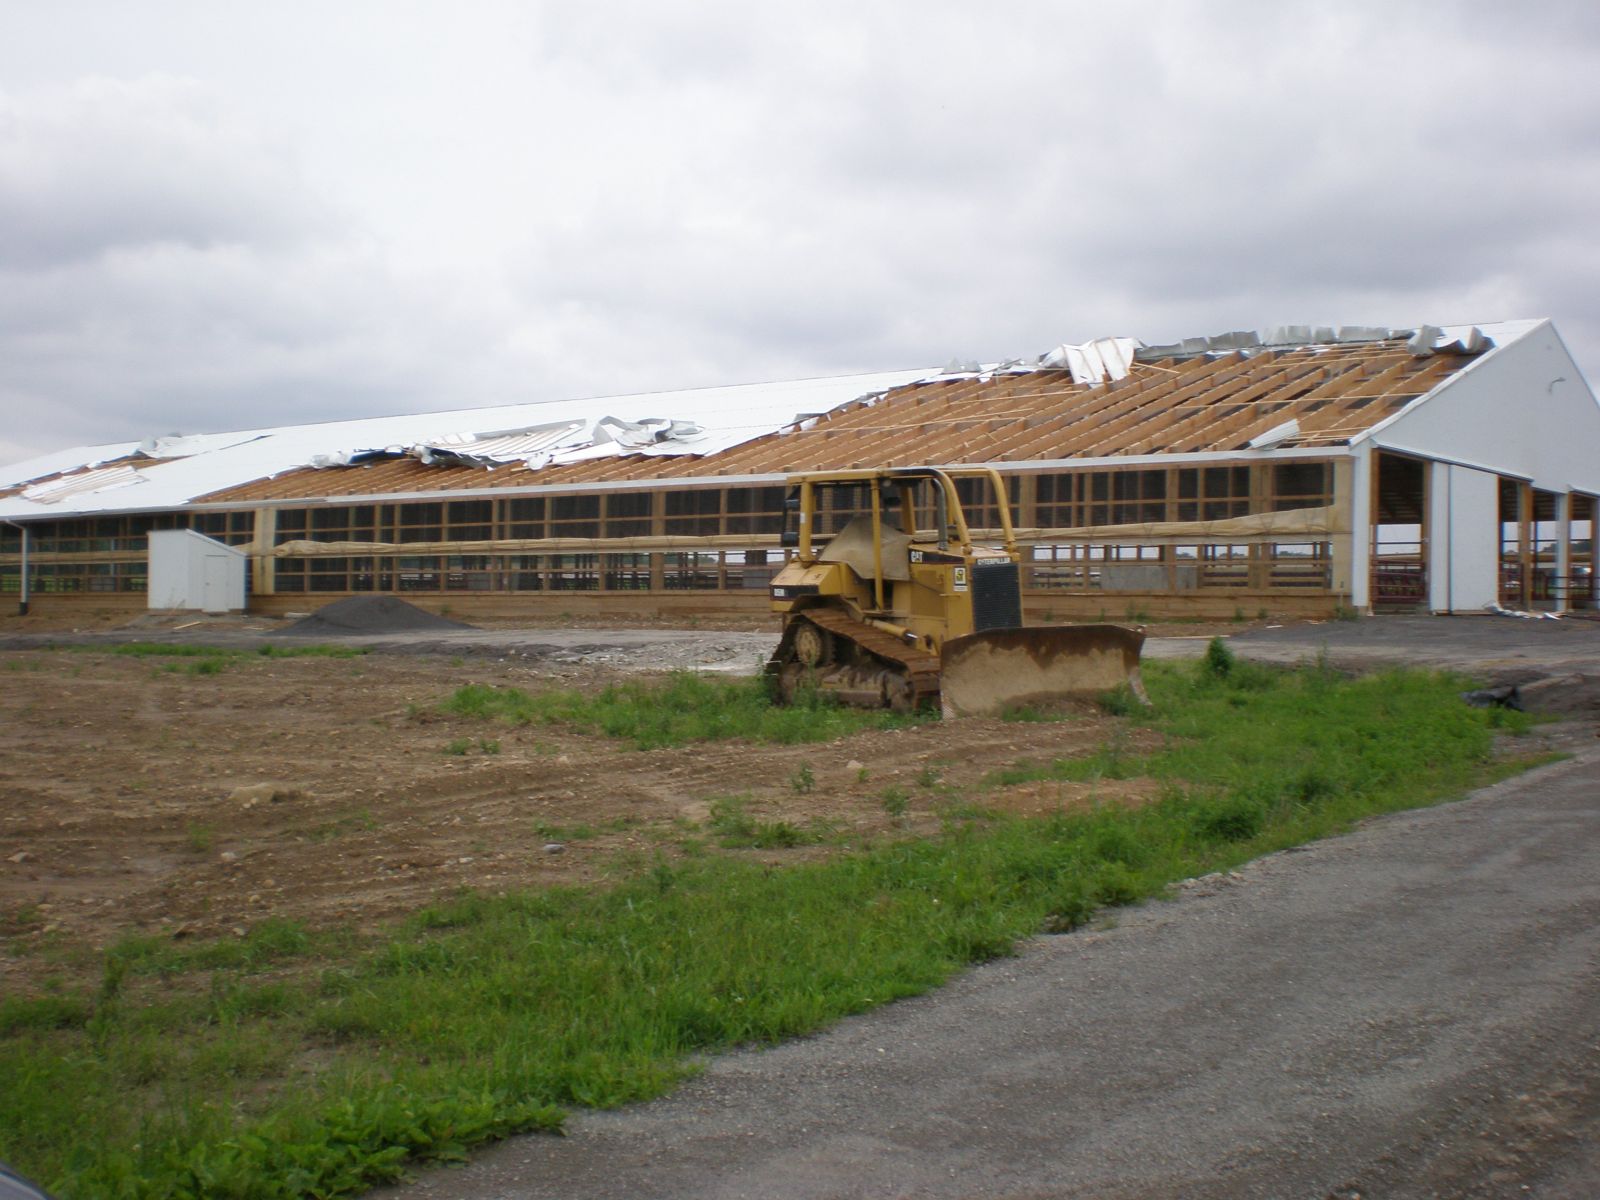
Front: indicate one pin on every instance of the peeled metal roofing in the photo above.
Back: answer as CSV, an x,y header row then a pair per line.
x,y
723,416
1105,398
62,487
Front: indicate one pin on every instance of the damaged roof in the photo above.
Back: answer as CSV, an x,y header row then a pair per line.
x,y
170,472
1294,387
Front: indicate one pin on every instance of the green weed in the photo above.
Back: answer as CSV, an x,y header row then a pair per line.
x,y
735,828
1031,714
359,821
316,650
198,838
1219,660
686,708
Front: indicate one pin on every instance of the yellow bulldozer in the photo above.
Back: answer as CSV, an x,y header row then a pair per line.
x,y
889,603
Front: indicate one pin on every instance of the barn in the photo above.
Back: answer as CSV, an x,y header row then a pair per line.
x,y
1296,471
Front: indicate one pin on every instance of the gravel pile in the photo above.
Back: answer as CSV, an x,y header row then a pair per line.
x,y
367,614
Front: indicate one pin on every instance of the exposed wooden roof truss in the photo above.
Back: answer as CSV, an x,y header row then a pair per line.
x,y
1206,404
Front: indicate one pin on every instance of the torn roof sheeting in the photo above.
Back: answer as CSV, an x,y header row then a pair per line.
x,y
540,445
100,479
1099,361
1421,341
693,421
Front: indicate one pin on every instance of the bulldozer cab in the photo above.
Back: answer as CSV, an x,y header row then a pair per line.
x,y
878,523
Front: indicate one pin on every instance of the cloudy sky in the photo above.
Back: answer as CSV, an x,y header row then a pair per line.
x,y
215,215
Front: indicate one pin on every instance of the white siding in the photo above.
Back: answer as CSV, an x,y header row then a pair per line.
x,y
1524,409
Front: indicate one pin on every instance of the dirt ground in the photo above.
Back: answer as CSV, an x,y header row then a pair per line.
x,y
140,798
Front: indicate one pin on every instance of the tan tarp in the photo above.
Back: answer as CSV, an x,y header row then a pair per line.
x,y
575,545
852,546
1308,523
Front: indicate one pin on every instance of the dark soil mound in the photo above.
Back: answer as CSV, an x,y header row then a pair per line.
x,y
367,614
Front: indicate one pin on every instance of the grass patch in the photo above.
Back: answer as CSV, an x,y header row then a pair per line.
x,y
686,708
735,828
1308,748
286,1063
316,650
185,658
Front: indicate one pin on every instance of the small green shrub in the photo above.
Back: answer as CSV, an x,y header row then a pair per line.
x,y
894,801
198,838
1120,702
1233,819
1113,883
1219,661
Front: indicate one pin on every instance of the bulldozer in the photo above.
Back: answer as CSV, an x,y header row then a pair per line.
x,y
888,602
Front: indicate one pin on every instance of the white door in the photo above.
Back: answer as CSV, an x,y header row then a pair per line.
x,y
214,597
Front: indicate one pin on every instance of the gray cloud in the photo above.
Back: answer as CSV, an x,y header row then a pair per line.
x,y
109,164
514,203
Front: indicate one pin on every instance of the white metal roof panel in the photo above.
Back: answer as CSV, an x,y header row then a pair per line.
x,y
726,416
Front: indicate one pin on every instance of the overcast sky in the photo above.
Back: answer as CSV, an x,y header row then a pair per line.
x,y
217,215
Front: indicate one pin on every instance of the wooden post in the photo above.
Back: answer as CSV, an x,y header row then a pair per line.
x,y
1525,544
658,528
264,577
1563,551
1352,514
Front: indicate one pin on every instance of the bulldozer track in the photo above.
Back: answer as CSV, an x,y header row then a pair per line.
x,y
920,667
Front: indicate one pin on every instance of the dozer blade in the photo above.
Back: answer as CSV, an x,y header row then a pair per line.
x,y
985,674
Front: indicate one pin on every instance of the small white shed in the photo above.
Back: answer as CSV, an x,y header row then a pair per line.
x,y
190,570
